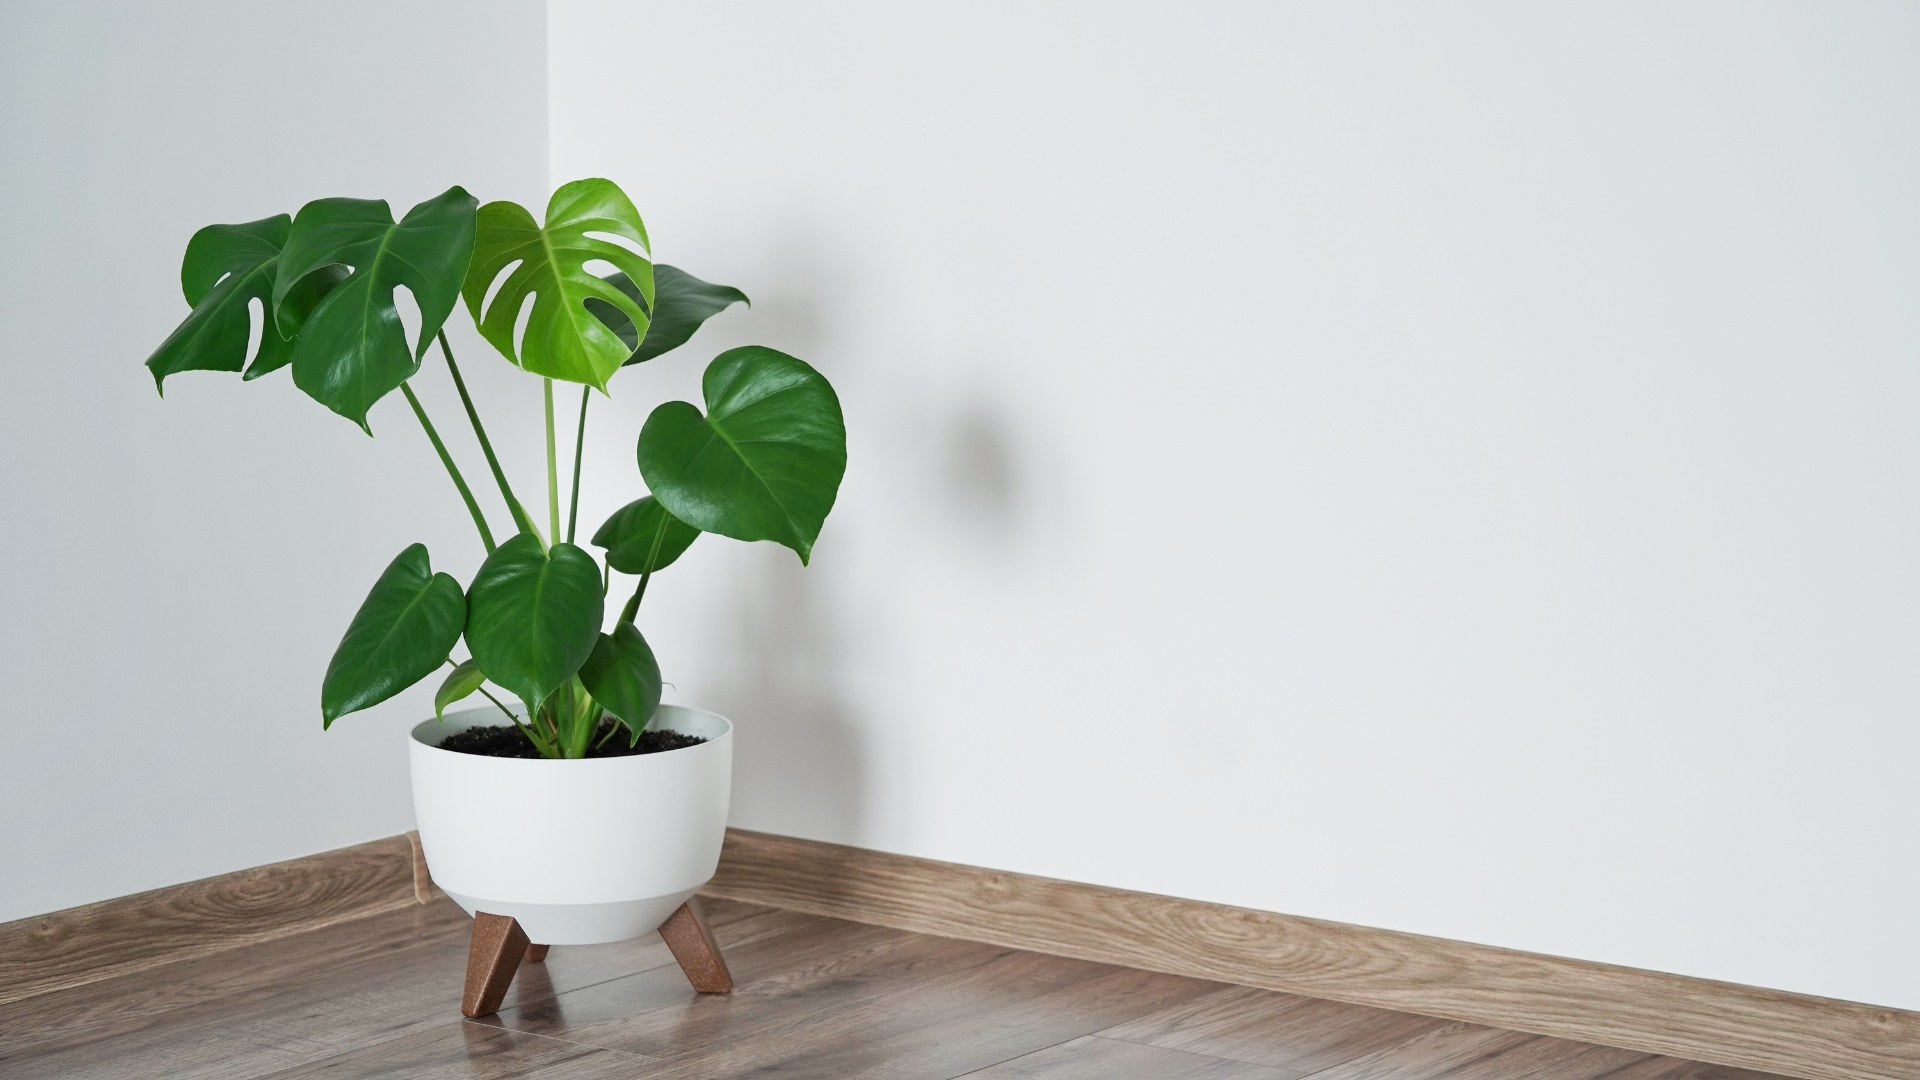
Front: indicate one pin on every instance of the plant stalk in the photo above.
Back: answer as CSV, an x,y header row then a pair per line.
x,y
579,444
653,556
466,493
633,605
519,512
553,469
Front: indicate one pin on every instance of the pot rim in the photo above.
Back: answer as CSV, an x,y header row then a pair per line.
x,y
431,726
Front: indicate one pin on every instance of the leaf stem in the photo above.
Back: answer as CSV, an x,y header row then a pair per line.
x,y
466,493
545,749
509,712
553,469
519,512
633,606
653,557
579,444
611,729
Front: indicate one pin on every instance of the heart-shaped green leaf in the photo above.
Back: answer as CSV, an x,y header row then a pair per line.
x,y
681,302
623,677
765,462
533,616
352,350
407,626
461,683
225,269
642,537
563,340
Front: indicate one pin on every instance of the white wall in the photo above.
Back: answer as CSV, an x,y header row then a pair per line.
x,y
175,573
1449,469
1443,467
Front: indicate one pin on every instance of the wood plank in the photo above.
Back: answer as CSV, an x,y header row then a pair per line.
x,y
1093,1058
786,968
296,1000
1666,1068
1471,1052
116,937
1747,1027
831,998
462,1051
1280,1031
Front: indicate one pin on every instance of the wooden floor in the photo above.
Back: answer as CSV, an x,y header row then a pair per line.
x,y
815,997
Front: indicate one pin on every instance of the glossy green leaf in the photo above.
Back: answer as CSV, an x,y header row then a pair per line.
x,y
352,350
562,340
405,629
681,302
765,463
623,676
461,683
642,537
533,616
300,301
225,269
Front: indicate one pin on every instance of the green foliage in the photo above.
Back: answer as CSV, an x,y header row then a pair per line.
x,y
563,340
226,268
764,463
533,615
681,303
623,677
642,537
464,680
352,350
402,632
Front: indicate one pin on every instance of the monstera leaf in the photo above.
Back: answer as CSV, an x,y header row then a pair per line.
x,y
226,268
402,632
623,677
533,616
764,463
681,302
352,351
563,340
642,537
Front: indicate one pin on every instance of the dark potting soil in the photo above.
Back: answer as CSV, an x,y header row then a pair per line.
x,y
510,743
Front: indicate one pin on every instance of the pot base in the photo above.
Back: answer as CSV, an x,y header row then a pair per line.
x,y
580,924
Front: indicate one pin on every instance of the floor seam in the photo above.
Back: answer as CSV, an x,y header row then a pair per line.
x,y
648,1058
1016,1057
1454,1026
1291,1074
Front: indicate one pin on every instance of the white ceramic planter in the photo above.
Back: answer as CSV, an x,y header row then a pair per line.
x,y
580,852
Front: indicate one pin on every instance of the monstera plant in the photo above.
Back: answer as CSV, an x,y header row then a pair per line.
x,y
762,461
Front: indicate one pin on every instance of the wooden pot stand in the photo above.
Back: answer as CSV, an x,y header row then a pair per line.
x,y
499,945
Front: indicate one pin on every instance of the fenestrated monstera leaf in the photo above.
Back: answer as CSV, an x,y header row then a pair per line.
x,y
623,676
405,628
533,616
225,269
563,340
642,537
352,350
765,463
681,302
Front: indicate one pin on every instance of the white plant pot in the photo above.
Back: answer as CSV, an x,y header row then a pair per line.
x,y
579,852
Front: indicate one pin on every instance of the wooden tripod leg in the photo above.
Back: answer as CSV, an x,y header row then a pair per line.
x,y
493,956
691,943
537,953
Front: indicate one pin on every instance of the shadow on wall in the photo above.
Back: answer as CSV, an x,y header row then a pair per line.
x,y
799,759
981,481
799,762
